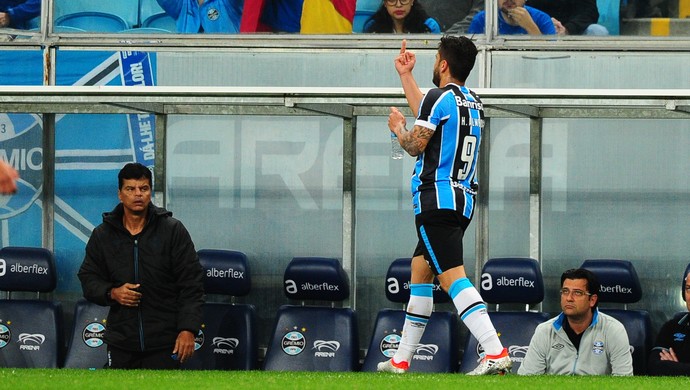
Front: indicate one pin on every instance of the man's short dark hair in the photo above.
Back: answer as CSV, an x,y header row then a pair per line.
x,y
460,53
134,171
581,273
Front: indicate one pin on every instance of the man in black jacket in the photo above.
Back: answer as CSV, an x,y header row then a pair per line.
x,y
671,354
142,263
572,17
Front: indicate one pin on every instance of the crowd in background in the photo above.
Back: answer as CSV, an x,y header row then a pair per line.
x,y
535,17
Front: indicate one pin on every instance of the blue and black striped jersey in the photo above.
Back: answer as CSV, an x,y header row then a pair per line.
x,y
444,175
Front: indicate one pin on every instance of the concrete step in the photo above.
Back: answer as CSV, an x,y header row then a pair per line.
x,y
656,27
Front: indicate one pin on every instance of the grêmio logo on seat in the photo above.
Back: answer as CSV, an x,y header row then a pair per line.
x,y
224,273
20,268
616,289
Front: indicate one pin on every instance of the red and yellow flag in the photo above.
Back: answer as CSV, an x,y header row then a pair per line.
x,y
327,16
316,17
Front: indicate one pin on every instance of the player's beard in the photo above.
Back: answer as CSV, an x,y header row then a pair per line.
x,y
437,78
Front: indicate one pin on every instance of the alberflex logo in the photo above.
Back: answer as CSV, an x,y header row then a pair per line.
x,y
616,289
488,282
224,273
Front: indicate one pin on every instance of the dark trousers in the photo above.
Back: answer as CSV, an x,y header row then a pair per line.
x,y
150,360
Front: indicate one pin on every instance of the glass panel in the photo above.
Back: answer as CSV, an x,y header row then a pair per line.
x,y
584,70
21,145
90,151
21,67
306,68
509,188
268,186
620,195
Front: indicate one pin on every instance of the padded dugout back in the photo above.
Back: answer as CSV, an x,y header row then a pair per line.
x,y
620,284
86,347
682,282
314,338
438,350
31,333
509,280
227,340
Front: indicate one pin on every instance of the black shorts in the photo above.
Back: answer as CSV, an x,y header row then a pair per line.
x,y
440,234
155,360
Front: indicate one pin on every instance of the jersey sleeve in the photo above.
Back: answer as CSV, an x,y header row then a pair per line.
x,y
431,109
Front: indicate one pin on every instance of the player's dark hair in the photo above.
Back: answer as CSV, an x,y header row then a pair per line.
x,y
581,273
460,53
134,171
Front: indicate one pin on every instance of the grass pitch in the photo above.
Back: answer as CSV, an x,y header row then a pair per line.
x,y
34,379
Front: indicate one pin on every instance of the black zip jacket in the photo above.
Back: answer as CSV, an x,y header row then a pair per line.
x,y
575,15
163,260
673,334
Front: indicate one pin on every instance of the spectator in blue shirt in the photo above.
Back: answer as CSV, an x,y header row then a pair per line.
x,y
205,16
515,18
17,13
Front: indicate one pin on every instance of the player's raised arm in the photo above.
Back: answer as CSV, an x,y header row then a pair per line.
x,y
404,64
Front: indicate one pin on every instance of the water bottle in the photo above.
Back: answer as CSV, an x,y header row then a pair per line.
x,y
397,151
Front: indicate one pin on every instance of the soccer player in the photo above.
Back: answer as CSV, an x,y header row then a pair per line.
x,y
445,139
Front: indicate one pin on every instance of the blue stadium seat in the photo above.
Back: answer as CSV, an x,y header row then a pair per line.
x,y
314,338
511,280
620,284
368,5
609,15
148,8
67,29
31,334
160,20
438,350
86,346
360,20
128,10
93,21
227,340
33,23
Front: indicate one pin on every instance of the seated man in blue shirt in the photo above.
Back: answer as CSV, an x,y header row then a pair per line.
x,y
515,18
205,16
16,13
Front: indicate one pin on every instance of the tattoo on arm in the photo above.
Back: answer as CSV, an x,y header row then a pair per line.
x,y
414,142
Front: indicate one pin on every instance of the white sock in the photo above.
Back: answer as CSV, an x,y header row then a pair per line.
x,y
473,313
417,316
